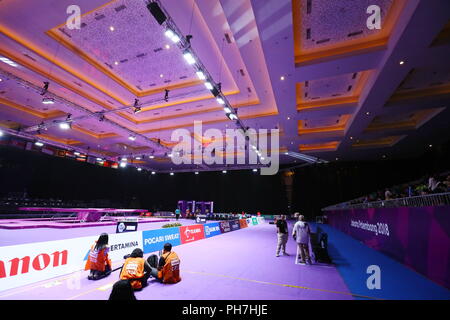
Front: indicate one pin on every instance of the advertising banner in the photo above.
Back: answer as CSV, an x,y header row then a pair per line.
x,y
192,233
234,225
224,226
243,223
212,229
260,220
249,222
417,237
126,226
254,221
154,240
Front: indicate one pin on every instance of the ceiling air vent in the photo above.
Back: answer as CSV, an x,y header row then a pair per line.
x,y
157,49
349,88
178,109
227,37
64,32
249,89
83,25
99,17
308,6
120,8
241,72
354,33
29,57
124,60
354,75
308,33
183,77
152,85
139,88
322,41
141,55
167,81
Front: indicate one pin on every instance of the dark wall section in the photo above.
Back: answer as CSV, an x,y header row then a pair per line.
x,y
314,187
47,176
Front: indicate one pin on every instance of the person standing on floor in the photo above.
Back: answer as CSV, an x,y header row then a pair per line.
x,y
301,233
177,213
282,235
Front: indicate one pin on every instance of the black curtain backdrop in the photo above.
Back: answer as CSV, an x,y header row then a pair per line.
x,y
314,187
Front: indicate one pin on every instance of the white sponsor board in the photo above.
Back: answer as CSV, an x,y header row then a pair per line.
x,y
33,262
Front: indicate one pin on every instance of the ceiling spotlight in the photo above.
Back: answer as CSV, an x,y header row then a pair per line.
x,y
116,63
200,75
153,172
224,171
123,164
167,46
99,159
161,75
367,113
232,116
172,36
132,138
189,57
430,145
124,159
351,138
171,173
64,125
1,133
138,158
111,28
151,157
220,100
196,172
39,144
208,85
289,118
48,101
8,61
255,170
282,78
227,110
139,169
402,62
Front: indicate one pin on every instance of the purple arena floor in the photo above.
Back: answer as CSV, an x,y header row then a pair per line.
x,y
238,265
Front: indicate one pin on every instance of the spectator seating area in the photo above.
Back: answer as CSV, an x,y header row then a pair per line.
x,y
428,190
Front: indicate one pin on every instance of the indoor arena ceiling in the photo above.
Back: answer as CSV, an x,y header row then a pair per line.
x,y
335,89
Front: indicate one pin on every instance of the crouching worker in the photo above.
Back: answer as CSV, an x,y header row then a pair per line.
x,y
98,261
136,269
167,269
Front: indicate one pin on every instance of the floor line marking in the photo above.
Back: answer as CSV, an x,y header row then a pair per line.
x,y
284,285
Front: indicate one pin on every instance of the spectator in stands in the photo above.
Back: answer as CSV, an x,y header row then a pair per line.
x,y
301,234
122,290
136,269
167,269
388,195
282,235
98,261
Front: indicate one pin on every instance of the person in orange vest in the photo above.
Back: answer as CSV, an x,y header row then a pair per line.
x,y
167,269
98,261
136,270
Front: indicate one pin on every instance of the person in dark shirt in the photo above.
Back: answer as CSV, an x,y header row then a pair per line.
x,y
282,235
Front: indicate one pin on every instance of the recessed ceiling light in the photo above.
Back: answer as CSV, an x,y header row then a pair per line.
x,y
402,62
367,112
161,75
138,158
64,125
255,170
200,75
39,144
351,138
151,157
430,145
111,28
171,173
139,169
282,78
153,172
116,63
167,46
1,133
224,171
289,118
196,172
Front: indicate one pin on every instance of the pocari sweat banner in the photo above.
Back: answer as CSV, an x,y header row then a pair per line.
x,y
154,240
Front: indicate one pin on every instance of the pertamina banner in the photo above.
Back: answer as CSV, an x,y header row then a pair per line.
x,y
192,233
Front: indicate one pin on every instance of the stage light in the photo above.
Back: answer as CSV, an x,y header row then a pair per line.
x,y
48,100
224,171
8,61
402,62
171,173
132,138
220,100
208,85
64,125
39,144
123,164
196,172
139,169
153,172
200,75
189,57
172,36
